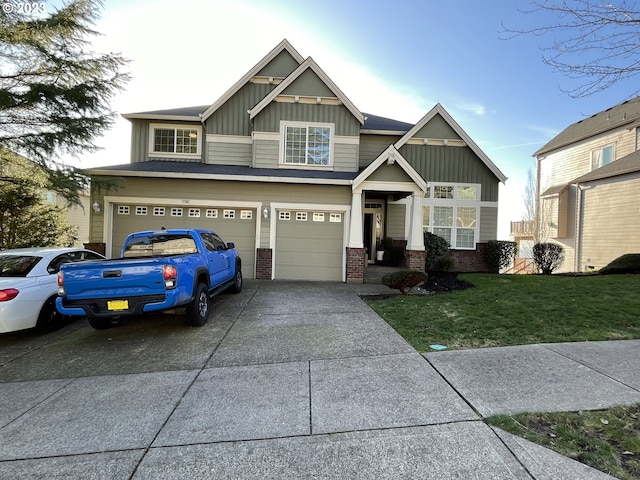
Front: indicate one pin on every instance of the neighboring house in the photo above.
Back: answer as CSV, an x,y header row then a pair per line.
x,y
77,215
304,183
588,184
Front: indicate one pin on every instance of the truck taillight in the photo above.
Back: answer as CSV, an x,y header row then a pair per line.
x,y
61,291
170,274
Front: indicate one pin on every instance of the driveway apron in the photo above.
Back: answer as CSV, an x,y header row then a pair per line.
x,y
287,380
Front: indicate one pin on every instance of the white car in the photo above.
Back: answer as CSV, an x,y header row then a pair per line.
x,y
29,285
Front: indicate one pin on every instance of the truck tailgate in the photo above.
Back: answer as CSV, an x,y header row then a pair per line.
x,y
111,278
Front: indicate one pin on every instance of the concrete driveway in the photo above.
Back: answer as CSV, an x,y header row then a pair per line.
x,y
287,380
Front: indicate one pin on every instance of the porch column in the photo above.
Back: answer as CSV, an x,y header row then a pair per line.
x,y
415,240
355,225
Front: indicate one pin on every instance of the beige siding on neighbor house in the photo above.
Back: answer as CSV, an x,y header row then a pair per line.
x,y
607,205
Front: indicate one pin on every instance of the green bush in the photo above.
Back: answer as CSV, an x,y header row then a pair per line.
x,y
404,280
548,256
393,254
500,253
628,263
435,247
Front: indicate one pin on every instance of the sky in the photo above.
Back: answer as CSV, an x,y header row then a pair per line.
x,y
395,59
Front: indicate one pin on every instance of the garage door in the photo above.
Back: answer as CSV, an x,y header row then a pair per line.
x,y
237,225
309,245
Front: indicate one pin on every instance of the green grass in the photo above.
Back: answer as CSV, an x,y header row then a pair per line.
x,y
608,440
518,309
523,309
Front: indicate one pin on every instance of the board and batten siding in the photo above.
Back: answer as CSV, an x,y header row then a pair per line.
x,y
606,205
450,164
268,120
371,146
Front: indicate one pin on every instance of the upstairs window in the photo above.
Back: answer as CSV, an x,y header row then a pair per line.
x,y
307,144
174,140
601,157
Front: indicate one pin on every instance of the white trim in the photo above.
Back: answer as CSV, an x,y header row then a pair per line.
x,y
346,140
284,45
283,142
273,217
227,177
174,126
439,109
159,116
270,136
307,64
390,155
211,137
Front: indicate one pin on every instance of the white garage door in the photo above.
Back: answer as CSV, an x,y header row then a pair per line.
x,y
309,245
237,225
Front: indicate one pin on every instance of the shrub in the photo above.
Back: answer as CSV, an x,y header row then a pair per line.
x,y
435,248
628,263
500,253
393,254
548,256
404,280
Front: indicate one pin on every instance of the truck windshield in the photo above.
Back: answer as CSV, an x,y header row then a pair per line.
x,y
158,245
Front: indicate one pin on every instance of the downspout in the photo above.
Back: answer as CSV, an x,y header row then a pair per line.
x,y
577,240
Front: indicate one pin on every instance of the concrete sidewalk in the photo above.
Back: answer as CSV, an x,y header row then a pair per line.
x,y
288,380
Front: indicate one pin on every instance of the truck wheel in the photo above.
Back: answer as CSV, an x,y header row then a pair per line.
x,y
237,281
101,323
198,310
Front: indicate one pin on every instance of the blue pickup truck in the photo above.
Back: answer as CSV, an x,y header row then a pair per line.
x,y
158,270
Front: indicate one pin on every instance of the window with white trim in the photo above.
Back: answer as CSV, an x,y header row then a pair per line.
x,y
335,218
141,210
284,215
307,144
318,216
601,157
123,209
194,213
452,211
228,214
212,213
246,214
301,216
175,140
158,211
176,212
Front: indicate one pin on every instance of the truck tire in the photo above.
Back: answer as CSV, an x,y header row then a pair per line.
x,y
101,323
198,310
237,280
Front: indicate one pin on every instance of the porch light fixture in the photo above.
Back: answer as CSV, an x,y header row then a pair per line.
x,y
96,207
265,213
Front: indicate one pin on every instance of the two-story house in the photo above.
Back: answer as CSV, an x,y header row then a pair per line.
x,y
588,184
305,184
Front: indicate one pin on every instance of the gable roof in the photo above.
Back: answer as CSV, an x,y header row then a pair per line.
x,y
380,125
438,109
306,65
625,113
391,155
627,164
282,46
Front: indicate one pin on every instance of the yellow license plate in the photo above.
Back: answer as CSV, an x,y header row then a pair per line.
x,y
118,305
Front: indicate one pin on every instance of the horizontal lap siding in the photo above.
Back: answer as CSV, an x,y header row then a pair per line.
x,y
488,224
223,153
611,221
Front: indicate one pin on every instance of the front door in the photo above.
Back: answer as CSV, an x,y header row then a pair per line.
x,y
373,228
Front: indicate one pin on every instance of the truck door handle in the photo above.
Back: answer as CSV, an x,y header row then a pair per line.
x,y
112,274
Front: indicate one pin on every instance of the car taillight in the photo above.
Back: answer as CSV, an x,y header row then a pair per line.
x,y
8,294
170,274
61,291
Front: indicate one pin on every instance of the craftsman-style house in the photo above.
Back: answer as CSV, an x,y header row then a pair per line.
x,y
306,185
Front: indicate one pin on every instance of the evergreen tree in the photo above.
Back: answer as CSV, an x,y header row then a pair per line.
x,y
54,90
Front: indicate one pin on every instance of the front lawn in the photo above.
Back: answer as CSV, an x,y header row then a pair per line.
x,y
516,310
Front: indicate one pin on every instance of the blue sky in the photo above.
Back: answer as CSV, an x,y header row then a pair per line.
x,y
391,58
